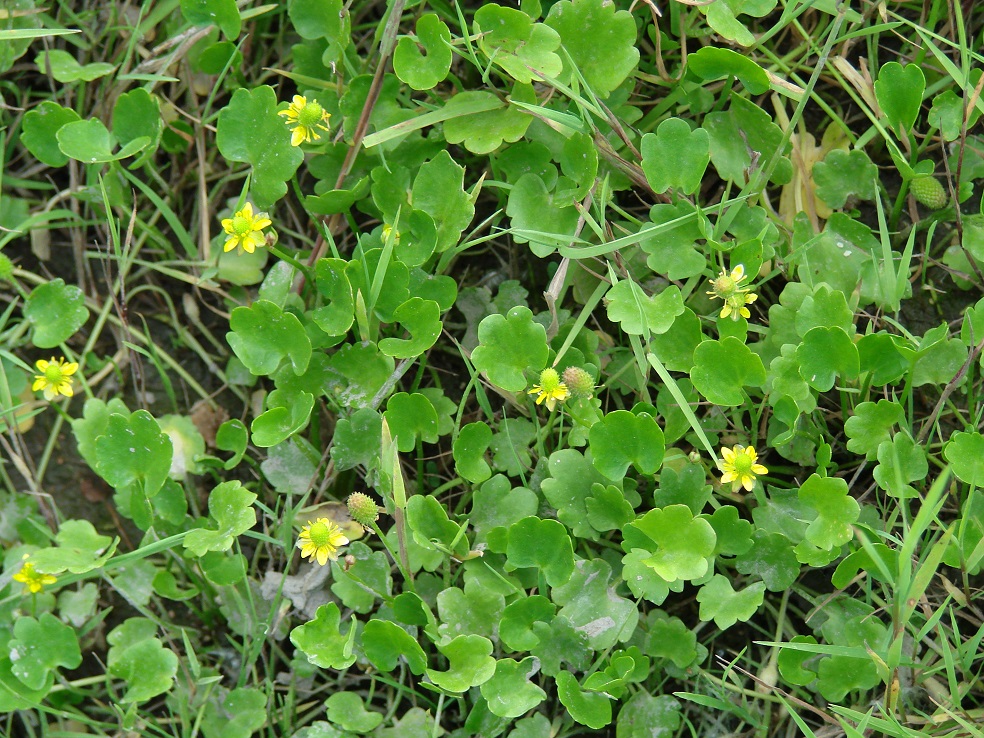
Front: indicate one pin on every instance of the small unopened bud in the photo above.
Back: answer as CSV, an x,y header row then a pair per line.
x,y
363,509
578,381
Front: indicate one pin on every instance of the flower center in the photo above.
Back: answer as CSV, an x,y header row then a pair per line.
x,y
549,380
241,225
743,463
320,534
53,374
725,285
310,114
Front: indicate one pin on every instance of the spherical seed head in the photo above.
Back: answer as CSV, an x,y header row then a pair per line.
x,y
578,381
930,192
311,114
363,509
6,268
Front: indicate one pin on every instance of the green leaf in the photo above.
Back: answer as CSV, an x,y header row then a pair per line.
x,y
872,424
230,505
842,174
411,417
222,13
901,461
543,544
91,142
423,70
497,504
56,311
469,452
438,190
232,436
670,638
722,604
587,708
263,335
476,609
947,114
572,480
510,446
356,373
139,658
386,643
286,414
323,19
508,346
899,91
791,661
523,49
827,308
363,580
607,509
509,692
688,149
637,313
41,646
734,535
337,316
250,131
622,439
592,605
825,354
134,453
684,486
357,439
348,711
290,466
542,218
679,544
322,641
672,249
607,55
836,511
485,131
711,63
644,715
723,17
431,527
66,69
965,452
137,114
422,319
516,624
240,713
469,664
80,549
722,368
772,559
40,129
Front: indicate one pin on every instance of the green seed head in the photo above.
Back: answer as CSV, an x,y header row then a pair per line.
x,y
363,509
578,381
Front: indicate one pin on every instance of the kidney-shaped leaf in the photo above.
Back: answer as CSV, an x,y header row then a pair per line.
x,y
263,335
622,439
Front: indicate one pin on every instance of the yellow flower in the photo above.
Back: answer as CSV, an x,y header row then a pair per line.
x,y
740,468
55,377
550,389
33,581
245,229
727,287
320,540
305,118
735,305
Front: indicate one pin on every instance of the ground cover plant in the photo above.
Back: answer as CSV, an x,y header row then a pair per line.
x,y
540,370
